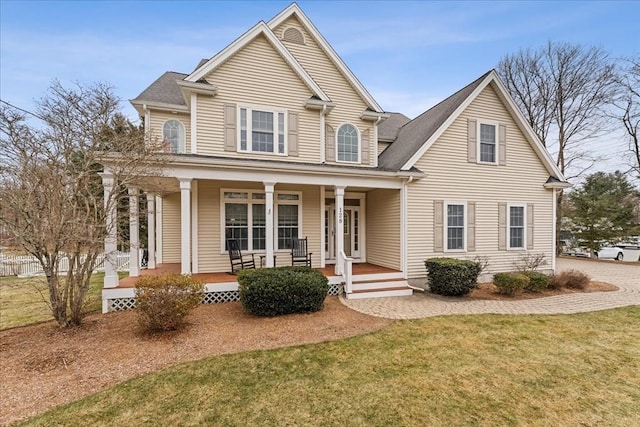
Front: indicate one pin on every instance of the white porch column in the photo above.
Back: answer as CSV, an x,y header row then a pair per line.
x,y
404,264
554,213
185,221
269,226
151,230
339,238
111,238
194,226
323,238
134,234
159,230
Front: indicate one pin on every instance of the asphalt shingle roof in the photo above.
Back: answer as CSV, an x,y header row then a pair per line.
x,y
388,129
415,133
164,89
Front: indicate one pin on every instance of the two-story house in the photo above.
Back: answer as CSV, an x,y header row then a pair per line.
x,y
274,138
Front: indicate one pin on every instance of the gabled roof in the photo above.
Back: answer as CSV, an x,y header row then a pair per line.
x,y
415,137
259,29
388,129
164,90
294,9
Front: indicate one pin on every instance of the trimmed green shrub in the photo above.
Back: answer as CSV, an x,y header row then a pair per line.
x,y
510,283
282,290
451,276
571,279
538,282
163,302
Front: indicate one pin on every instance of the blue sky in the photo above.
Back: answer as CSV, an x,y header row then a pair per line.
x,y
409,55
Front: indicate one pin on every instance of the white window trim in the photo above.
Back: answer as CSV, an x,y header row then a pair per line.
x,y
496,141
524,226
445,227
182,148
359,144
249,201
276,205
275,112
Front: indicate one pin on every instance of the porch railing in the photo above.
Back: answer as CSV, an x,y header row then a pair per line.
x,y
346,270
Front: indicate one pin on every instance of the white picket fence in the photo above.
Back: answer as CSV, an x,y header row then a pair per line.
x,y
28,265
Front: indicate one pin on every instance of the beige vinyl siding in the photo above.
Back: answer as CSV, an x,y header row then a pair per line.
x,y
383,228
257,76
171,246
452,177
382,146
157,120
212,259
348,103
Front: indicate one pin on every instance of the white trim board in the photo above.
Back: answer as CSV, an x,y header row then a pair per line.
x,y
294,9
238,44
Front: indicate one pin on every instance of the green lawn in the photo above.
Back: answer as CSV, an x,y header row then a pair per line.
x,y
486,370
22,303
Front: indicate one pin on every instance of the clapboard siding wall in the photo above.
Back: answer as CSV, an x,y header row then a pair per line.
x,y
348,103
383,228
171,228
257,76
452,177
157,119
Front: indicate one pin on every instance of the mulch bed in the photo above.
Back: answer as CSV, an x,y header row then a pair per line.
x,y
488,291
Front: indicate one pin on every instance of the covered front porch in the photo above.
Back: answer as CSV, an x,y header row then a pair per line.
x,y
349,216
367,280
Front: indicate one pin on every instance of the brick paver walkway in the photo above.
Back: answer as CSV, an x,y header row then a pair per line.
x,y
424,304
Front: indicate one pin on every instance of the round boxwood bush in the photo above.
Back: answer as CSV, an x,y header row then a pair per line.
x,y
538,282
510,283
282,290
451,276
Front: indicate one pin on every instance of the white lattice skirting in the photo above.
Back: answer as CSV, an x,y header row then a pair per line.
x,y
122,303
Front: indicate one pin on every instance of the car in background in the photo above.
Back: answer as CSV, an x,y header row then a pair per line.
x,y
610,252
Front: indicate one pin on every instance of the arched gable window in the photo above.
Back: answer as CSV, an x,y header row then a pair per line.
x,y
348,143
173,133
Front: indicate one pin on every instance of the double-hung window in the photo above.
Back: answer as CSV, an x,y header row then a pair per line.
x,y
262,131
456,224
516,226
288,207
244,218
488,141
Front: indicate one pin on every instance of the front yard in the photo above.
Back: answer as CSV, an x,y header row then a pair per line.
x,y
489,370
23,301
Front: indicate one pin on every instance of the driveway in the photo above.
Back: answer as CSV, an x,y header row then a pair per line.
x,y
624,276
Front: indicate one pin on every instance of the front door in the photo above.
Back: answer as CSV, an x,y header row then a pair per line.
x,y
351,229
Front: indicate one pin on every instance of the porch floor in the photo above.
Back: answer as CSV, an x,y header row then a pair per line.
x,y
328,271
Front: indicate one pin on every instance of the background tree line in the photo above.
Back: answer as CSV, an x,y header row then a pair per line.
x,y
572,95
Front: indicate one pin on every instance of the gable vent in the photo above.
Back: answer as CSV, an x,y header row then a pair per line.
x,y
293,35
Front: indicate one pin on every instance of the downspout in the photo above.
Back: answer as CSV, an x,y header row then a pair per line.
x,y
375,138
146,118
322,134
